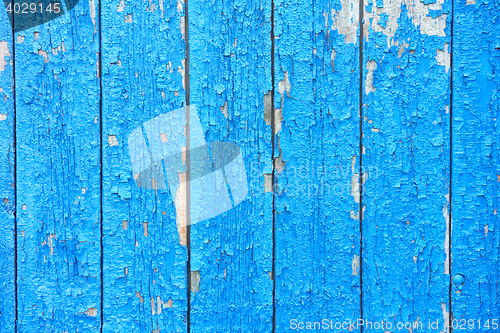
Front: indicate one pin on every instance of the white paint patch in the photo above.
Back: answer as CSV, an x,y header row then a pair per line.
x,y
179,6
385,20
486,231
371,66
112,141
183,27
355,265
180,209
92,14
446,317
91,312
267,107
161,7
20,39
346,20
447,236
443,57
129,19
195,281
120,7
355,181
182,71
283,86
4,52
45,55
471,2
402,48
268,182
223,109
3,116
332,57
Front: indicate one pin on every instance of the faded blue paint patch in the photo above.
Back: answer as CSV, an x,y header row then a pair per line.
x,y
144,264
476,143
58,182
230,73
7,199
317,145
406,170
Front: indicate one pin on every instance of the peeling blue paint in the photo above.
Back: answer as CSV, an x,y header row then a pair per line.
x,y
407,152
404,258
317,205
58,208
7,183
144,263
476,142
230,73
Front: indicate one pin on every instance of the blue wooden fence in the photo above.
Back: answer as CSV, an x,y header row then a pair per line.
x,y
369,138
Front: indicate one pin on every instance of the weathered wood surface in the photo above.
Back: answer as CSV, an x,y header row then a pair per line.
x,y
475,160
7,182
406,163
144,273
57,177
230,86
370,144
316,124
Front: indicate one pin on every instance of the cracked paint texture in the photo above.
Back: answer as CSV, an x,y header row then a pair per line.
x,y
144,262
230,70
475,240
58,181
7,199
317,143
407,159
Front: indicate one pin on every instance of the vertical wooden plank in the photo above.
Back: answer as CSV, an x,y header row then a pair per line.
x,y
406,164
475,238
143,77
230,76
58,191
317,164
7,165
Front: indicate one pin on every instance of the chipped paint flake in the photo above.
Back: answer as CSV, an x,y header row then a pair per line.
x,y
223,109
195,281
45,55
180,209
4,52
120,6
447,236
371,66
268,183
112,141
92,14
355,265
346,20
443,57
